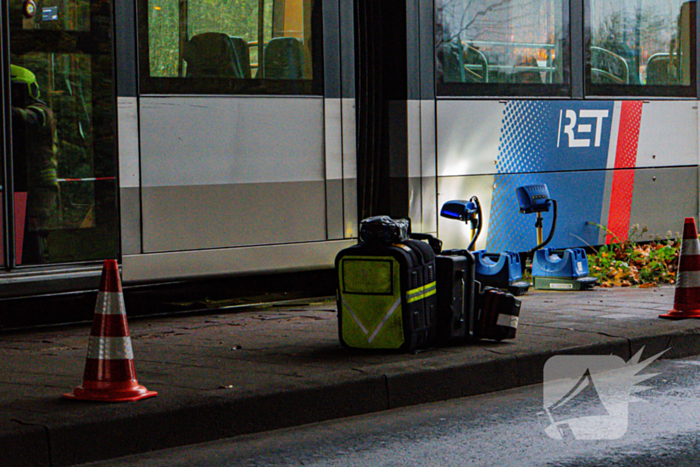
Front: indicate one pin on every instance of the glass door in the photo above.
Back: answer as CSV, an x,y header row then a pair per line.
x,y
61,164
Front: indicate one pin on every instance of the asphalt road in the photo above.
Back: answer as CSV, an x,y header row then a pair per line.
x,y
509,428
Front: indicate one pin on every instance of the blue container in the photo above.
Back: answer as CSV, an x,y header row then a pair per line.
x,y
501,268
570,263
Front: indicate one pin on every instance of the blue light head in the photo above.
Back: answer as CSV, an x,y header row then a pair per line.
x,y
458,209
533,198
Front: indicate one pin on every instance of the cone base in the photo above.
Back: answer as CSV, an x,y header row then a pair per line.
x,y
681,314
134,393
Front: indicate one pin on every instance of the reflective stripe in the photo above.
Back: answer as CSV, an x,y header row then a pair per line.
x,y
110,303
110,348
48,174
687,279
357,320
690,247
384,320
40,110
422,292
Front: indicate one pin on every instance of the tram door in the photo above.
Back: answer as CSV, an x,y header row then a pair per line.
x,y
59,185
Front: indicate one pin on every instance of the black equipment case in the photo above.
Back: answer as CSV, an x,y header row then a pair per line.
x,y
387,295
455,288
497,314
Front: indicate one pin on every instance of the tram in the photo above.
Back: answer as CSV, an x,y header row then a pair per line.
x,y
193,139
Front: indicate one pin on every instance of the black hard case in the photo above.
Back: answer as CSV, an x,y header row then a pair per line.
x,y
418,268
497,314
455,288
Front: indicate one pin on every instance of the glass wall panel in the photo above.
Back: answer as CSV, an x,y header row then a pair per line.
x,y
63,126
645,46
508,47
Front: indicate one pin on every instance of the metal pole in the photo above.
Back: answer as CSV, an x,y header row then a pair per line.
x,y
261,38
182,34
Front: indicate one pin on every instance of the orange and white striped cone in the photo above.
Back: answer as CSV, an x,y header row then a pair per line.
x,y
686,303
110,375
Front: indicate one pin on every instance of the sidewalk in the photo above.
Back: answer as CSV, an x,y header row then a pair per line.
x,y
265,368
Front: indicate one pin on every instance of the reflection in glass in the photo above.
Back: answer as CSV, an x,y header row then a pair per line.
x,y
641,42
58,15
500,41
70,210
63,158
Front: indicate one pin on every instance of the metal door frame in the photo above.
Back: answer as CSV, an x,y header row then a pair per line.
x,y
18,280
7,200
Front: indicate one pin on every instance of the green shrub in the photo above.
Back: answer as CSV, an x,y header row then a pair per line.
x,y
623,263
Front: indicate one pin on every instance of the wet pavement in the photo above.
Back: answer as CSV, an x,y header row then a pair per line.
x,y
658,426
226,374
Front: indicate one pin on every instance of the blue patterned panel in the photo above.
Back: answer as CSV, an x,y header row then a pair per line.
x,y
544,142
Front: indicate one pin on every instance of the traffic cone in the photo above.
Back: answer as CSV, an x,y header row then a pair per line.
x,y
110,375
686,302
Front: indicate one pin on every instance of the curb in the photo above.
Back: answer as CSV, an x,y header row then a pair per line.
x,y
182,419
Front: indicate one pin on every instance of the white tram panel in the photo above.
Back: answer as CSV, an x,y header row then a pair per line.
x,y
231,171
668,134
349,132
468,133
471,133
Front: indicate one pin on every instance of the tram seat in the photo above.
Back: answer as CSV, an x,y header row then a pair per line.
x,y
243,53
527,75
284,59
658,69
610,67
212,54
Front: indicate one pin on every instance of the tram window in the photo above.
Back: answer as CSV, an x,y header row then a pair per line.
x,y
641,47
492,47
224,47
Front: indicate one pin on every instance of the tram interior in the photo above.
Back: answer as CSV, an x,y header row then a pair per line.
x,y
255,39
632,42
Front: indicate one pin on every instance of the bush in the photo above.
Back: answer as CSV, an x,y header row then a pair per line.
x,y
627,263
